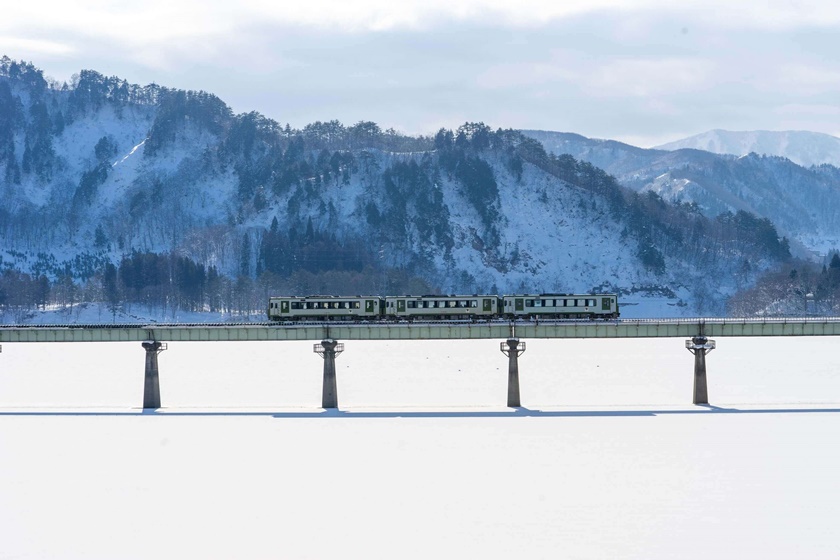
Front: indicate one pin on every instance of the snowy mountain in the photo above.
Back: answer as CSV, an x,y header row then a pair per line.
x,y
144,195
803,203
801,147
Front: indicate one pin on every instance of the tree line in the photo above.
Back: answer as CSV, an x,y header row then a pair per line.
x,y
168,285
800,288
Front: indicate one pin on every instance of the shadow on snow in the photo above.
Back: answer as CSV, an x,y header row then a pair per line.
x,y
520,412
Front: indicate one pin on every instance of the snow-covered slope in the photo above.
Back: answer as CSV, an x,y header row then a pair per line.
x,y
803,203
802,147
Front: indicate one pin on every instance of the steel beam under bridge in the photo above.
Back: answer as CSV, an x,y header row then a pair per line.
x,y
647,328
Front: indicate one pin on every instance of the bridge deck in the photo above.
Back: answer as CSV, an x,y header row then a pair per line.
x,y
627,328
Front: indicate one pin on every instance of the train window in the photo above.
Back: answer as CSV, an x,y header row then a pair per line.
x,y
529,303
590,303
474,303
357,305
411,304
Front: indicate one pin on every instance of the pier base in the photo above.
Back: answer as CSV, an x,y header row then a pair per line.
x,y
151,389
700,346
329,349
513,348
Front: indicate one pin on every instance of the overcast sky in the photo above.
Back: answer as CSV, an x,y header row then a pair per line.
x,y
640,71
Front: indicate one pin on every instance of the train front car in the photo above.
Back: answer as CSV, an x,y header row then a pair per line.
x,y
324,308
561,306
441,307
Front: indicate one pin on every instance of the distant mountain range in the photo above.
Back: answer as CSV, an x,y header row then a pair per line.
x,y
799,146
804,203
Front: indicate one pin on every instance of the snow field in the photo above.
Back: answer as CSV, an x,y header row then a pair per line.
x,y
608,459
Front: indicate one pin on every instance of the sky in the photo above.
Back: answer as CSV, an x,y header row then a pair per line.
x,y
640,71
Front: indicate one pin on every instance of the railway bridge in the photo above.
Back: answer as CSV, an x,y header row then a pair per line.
x,y
155,337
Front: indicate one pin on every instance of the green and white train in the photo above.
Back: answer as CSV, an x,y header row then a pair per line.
x,y
443,307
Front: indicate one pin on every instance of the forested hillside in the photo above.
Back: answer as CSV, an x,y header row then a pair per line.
x,y
802,202
154,198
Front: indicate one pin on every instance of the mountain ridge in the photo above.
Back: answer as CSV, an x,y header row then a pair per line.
x,y
804,203
802,147
145,195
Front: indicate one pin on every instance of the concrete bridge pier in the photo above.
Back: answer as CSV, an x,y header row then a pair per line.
x,y
513,348
329,349
151,389
700,346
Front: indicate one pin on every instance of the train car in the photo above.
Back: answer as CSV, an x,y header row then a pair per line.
x,y
443,307
561,306
438,307
324,308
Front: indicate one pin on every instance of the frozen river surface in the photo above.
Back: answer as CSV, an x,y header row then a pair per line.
x,y
606,459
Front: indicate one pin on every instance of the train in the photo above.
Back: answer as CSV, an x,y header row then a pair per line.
x,y
443,307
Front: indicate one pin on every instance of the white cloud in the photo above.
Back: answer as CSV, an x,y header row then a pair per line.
x,y
649,77
35,47
608,68
386,14
605,76
155,20
808,79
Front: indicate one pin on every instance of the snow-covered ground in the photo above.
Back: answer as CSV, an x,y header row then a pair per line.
x,y
607,458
